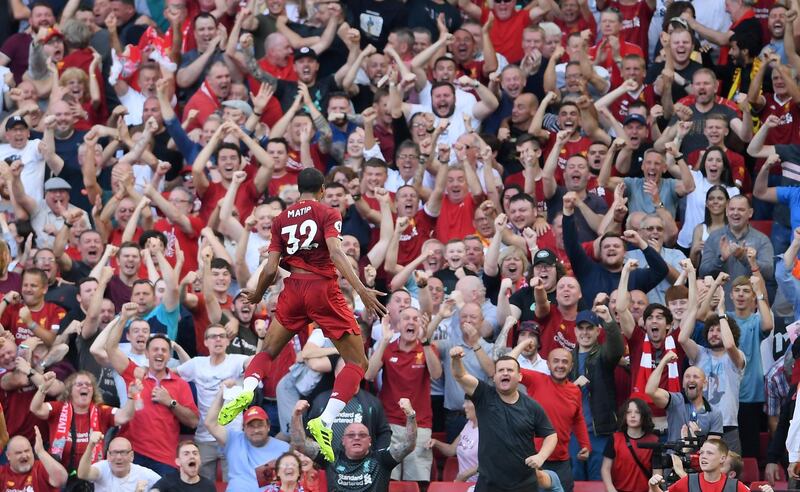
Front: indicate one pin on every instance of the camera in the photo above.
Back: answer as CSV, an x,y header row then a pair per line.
x,y
684,449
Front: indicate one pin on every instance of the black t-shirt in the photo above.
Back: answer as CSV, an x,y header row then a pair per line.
x,y
363,99
535,81
678,91
104,375
363,408
637,157
750,29
376,19
64,295
286,92
523,299
78,271
173,483
423,13
696,139
368,474
449,278
506,439
331,59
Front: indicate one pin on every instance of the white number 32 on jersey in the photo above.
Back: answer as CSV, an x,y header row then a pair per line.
x,y
307,231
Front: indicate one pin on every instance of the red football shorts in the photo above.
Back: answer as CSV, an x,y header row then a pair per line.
x,y
308,298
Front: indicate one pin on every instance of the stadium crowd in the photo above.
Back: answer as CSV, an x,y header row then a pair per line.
x,y
596,200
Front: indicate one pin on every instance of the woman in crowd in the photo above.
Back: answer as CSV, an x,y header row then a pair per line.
x,y
627,467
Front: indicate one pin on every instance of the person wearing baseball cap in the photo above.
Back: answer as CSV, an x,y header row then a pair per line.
x,y
593,372
527,349
246,447
22,148
546,267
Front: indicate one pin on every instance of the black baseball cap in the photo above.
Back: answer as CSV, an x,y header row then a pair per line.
x,y
14,121
545,256
305,52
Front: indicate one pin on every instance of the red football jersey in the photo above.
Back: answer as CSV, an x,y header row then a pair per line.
x,y
299,235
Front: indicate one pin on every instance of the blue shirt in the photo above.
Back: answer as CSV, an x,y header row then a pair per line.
x,y
243,458
790,195
163,321
750,337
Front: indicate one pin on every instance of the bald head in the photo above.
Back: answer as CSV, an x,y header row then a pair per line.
x,y
20,454
471,288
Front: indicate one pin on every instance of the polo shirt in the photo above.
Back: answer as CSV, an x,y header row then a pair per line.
x,y
154,430
406,375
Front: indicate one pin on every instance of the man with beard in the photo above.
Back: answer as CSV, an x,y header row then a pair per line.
x,y
209,96
744,26
444,106
511,87
15,50
603,276
703,103
721,359
687,408
34,157
776,25
188,477
208,374
24,473
506,448
376,65
742,64
240,322
247,448
117,473
167,398
28,314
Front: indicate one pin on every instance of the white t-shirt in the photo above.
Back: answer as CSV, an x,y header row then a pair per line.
x,y
134,103
696,207
208,379
33,167
109,483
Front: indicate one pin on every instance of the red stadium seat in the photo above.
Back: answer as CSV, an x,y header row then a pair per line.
x,y
596,486
763,226
763,444
750,471
450,486
450,469
403,486
754,486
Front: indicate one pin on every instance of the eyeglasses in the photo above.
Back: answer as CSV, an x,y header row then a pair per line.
x,y
359,435
215,336
120,453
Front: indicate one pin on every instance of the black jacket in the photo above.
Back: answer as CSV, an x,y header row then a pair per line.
x,y
599,370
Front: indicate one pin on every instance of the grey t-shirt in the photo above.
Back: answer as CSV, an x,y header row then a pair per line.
x,y
680,413
673,258
723,379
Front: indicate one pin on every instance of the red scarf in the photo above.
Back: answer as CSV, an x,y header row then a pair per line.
x,y
209,93
646,366
723,51
64,433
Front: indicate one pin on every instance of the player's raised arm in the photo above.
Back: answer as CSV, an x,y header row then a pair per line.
x,y
340,261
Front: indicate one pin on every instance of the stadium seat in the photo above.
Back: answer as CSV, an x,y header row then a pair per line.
x,y
750,471
763,226
403,486
450,486
596,486
450,469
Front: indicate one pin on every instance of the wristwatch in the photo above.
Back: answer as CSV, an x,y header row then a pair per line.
x,y
723,316
173,404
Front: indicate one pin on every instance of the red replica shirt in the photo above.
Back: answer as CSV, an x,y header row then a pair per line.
x,y
276,185
788,112
556,332
187,241
35,480
154,430
562,404
48,317
82,427
19,418
578,26
572,147
245,200
405,375
457,219
420,228
205,103
619,108
505,34
299,234
625,49
625,473
635,21
294,164
682,485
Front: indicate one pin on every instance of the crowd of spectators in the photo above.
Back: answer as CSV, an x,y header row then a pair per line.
x,y
604,191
